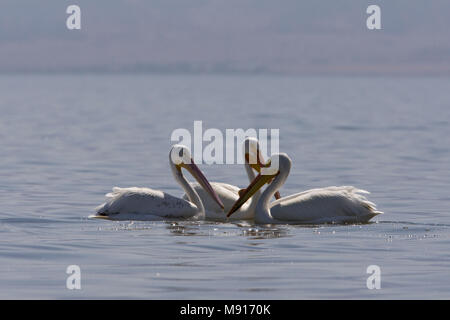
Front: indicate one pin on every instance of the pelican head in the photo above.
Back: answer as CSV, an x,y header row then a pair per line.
x,y
272,169
253,155
180,157
254,158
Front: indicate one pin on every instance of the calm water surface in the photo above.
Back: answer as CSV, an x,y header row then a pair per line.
x,y
67,140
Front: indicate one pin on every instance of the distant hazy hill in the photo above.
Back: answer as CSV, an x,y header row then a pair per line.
x,y
287,36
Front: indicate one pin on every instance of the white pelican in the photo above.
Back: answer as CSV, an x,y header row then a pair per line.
x,y
149,204
324,205
229,194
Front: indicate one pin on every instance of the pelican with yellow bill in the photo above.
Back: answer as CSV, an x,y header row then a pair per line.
x,y
149,204
345,204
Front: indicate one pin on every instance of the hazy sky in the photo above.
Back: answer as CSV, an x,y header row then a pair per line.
x,y
288,36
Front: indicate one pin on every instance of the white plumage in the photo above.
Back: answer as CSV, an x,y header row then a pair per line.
x,y
326,205
144,204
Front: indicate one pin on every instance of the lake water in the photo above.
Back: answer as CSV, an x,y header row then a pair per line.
x,y
66,140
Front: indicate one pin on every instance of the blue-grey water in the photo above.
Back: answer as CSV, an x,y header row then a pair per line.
x,y
66,140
